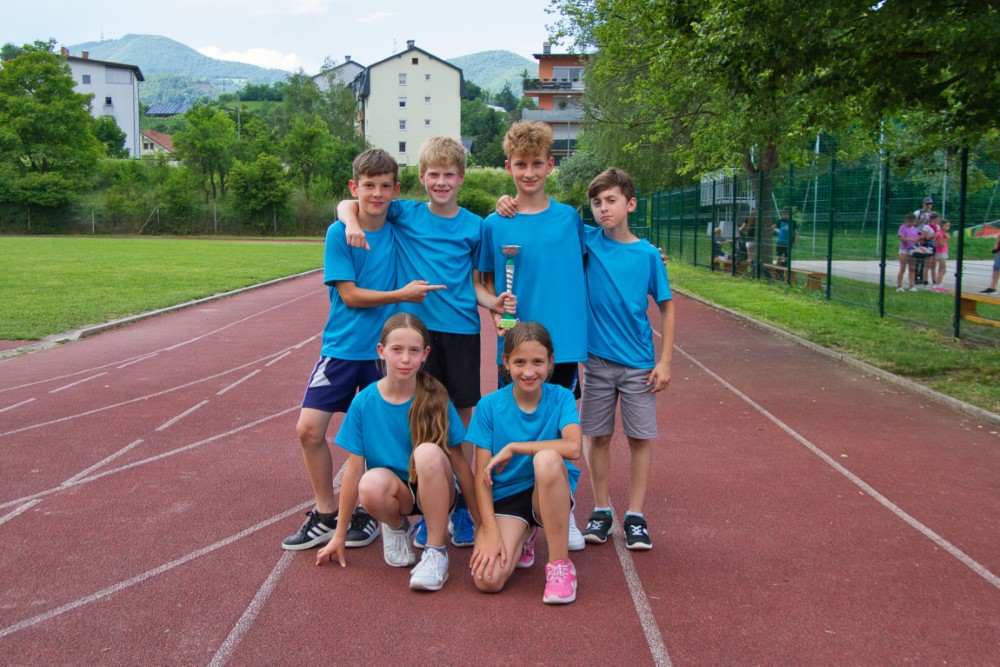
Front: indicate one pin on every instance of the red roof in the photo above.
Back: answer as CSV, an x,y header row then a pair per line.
x,y
164,140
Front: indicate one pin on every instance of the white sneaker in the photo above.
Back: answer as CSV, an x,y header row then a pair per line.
x,y
396,545
431,572
575,542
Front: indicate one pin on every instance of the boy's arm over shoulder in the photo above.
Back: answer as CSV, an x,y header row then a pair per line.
x,y
347,212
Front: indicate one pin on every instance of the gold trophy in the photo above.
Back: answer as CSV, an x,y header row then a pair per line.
x,y
509,251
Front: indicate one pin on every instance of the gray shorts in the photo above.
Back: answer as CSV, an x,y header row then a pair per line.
x,y
605,383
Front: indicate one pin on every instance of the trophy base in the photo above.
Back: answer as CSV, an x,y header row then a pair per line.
x,y
506,323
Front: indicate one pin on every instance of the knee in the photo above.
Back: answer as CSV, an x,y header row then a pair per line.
x,y
428,459
310,436
489,584
548,464
371,489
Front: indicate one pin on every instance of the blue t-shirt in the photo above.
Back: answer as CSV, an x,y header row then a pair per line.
x,y
548,273
782,232
620,279
353,333
380,431
442,251
499,421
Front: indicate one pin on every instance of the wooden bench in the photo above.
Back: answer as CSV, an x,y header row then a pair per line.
x,y
727,265
968,308
814,279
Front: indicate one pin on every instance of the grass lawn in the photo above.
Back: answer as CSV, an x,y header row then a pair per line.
x,y
51,285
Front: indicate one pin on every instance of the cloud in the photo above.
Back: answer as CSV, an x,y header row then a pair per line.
x,y
257,56
375,17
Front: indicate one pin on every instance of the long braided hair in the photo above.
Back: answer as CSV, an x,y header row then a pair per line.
x,y
429,411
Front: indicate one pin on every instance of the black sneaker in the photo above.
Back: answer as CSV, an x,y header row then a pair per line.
x,y
636,533
598,527
363,529
314,532
988,290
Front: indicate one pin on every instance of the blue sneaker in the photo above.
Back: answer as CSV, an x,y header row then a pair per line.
x,y
420,534
461,528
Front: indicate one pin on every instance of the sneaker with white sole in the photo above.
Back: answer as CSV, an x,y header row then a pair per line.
x,y
636,533
560,582
363,529
396,545
598,527
462,528
314,532
527,558
575,541
431,572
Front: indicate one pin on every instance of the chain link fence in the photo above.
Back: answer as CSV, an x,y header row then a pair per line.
x,y
834,230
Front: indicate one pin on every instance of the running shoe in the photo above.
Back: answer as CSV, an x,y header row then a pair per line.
x,y
314,532
431,572
527,558
396,545
420,533
636,533
560,582
575,541
363,529
461,528
598,527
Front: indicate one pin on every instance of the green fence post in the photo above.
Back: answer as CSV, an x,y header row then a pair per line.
x,y
829,238
884,231
962,191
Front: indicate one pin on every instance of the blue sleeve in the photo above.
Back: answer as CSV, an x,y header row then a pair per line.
x,y
481,427
337,261
351,435
659,287
567,409
486,247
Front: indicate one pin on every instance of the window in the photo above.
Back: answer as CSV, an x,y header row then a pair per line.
x,y
402,146
427,100
402,102
415,61
86,79
402,125
572,73
147,146
427,122
402,79
427,77
107,102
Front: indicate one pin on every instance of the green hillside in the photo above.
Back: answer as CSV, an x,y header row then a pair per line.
x,y
492,69
161,55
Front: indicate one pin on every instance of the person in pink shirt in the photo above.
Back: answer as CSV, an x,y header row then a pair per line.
x,y
908,236
941,256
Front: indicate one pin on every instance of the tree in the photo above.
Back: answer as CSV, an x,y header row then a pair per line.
x,y
506,98
307,149
206,145
47,145
260,186
486,127
113,137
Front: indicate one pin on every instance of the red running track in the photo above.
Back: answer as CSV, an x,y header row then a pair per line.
x,y
801,511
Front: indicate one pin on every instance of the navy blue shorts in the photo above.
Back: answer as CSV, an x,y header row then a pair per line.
x,y
334,382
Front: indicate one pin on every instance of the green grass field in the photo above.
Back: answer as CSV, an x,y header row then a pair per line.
x,y
51,285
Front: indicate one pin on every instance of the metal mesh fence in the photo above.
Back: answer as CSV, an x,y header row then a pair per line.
x,y
834,229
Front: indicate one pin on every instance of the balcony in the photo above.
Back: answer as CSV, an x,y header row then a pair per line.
x,y
536,86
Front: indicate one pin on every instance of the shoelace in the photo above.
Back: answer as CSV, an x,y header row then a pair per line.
x,y
637,529
594,525
360,522
557,573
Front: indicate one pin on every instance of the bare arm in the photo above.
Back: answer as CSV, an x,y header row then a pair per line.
x,y
465,481
569,446
358,297
348,500
659,377
347,213
489,549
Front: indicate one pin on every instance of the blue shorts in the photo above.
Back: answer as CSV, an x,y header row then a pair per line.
x,y
334,382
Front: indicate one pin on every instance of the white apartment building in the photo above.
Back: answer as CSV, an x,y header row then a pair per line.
x,y
408,98
344,74
115,88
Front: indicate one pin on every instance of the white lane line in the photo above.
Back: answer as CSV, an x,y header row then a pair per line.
x,y
149,574
73,384
16,405
100,464
139,359
152,459
146,397
20,510
641,603
857,481
250,615
238,382
170,422
166,349
278,358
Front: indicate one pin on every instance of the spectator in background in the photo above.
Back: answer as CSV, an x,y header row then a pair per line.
x,y
940,265
992,289
908,236
748,234
787,235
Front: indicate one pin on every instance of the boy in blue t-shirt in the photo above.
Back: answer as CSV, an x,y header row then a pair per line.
x,y
548,269
623,271
363,293
440,241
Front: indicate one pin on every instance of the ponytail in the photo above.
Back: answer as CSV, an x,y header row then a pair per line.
x,y
428,416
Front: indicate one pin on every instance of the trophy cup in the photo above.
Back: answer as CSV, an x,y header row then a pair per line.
x,y
509,251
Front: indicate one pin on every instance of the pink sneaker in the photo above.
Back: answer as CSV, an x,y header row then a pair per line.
x,y
560,582
527,558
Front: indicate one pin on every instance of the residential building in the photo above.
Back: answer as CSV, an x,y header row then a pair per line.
x,y
115,88
156,143
407,98
558,89
344,74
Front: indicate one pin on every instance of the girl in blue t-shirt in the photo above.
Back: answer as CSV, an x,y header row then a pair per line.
x,y
406,433
525,434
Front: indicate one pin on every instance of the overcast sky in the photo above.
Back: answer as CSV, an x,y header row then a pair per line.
x,y
290,34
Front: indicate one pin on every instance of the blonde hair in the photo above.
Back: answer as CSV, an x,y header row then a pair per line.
x,y
375,162
428,414
528,137
441,152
